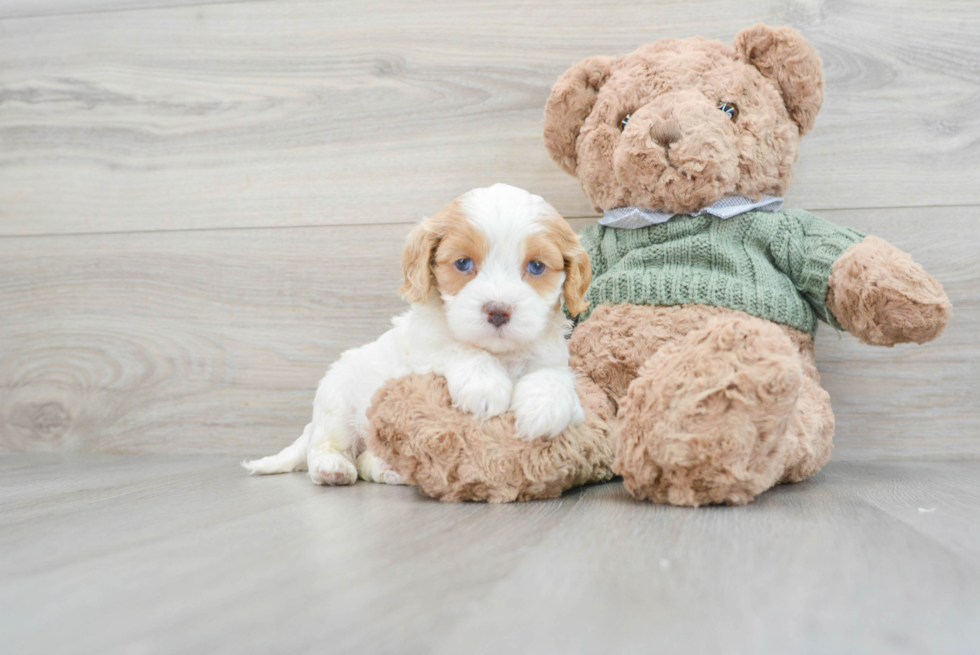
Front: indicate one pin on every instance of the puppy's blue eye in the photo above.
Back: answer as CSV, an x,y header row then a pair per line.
x,y
464,265
622,123
729,109
534,267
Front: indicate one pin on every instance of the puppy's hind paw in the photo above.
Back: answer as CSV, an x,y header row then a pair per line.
x,y
374,469
392,477
331,469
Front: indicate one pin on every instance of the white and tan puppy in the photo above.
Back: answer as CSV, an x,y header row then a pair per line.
x,y
486,277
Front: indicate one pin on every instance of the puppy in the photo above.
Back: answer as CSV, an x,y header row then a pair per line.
x,y
486,277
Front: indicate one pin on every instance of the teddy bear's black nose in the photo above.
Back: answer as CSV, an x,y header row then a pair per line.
x,y
665,133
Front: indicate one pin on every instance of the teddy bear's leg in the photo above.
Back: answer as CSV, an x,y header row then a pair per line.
x,y
706,419
616,340
812,427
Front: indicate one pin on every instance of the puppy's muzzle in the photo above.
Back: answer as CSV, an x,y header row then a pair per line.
x,y
498,313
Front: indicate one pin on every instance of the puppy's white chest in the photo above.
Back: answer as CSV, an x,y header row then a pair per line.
x,y
517,367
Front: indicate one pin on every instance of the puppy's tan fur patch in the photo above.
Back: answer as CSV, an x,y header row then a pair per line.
x,y
432,249
575,262
461,240
543,248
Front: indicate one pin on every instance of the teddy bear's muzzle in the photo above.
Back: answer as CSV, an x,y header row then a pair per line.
x,y
678,153
665,132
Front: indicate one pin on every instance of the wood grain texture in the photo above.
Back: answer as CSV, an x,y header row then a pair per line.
x,y
163,554
213,341
171,341
325,113
33,8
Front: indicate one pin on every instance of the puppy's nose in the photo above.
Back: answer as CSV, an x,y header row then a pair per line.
x,y
666,132
498,313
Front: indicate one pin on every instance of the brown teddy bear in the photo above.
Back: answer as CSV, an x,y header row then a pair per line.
x,y
705,292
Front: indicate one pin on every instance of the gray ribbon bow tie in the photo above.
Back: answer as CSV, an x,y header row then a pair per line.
x,y
631,218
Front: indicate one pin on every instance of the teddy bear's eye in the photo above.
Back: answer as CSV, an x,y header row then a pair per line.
x,y
622,123
729,109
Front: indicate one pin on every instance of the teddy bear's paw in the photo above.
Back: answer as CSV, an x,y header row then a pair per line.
x,y
706,421
881,296
331,469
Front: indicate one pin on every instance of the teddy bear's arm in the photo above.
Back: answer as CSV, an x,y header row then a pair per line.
x,y
883,297
859,284
804,247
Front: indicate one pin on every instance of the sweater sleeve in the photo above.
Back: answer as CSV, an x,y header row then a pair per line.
x,y
805,248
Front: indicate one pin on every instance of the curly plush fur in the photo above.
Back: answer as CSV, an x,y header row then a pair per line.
x,y
883,297
771,74
706,404
452,456
718,405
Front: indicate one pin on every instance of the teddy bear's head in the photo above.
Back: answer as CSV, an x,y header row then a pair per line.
x,y
680,123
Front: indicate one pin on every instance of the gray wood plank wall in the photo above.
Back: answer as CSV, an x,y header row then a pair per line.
x,y
202,204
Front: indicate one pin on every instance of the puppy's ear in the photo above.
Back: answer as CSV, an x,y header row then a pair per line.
x,y
578,277
578,268
417,262
783,56
570,104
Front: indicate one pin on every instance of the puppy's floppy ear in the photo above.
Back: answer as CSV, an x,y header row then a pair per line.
x,y
783,56
570,104
578,268
417,262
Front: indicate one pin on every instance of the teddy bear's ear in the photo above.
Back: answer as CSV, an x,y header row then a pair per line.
x,y
570,104
782,55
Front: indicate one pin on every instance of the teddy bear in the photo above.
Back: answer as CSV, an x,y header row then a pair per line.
x,y
697,345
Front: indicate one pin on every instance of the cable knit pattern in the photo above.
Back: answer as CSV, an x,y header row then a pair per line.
x,y
774,265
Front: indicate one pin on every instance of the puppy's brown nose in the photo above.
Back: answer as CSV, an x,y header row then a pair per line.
x,y
498,313
665,132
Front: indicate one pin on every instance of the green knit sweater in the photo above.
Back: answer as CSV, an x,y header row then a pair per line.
x,y
774,265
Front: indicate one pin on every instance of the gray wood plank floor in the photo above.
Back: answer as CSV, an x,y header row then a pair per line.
x,y
202,203
170,554
31,8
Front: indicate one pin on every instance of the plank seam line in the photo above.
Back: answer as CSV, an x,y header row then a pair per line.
x,y
393,223
120,10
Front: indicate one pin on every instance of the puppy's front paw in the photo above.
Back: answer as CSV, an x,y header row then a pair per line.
x,y
545,403
481,391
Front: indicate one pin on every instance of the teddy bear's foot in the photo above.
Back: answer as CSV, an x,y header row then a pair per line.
x,y
706,421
